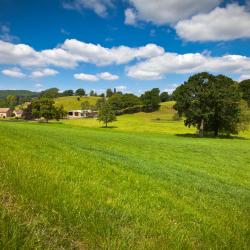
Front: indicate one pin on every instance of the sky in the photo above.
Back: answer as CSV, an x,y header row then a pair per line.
x,y
130,45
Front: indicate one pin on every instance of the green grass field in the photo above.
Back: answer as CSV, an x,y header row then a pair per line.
x,y
142,184
71,102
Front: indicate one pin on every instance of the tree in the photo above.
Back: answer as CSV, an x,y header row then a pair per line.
x,y
109,93
164,96
100,102
80,92
92,93
245,89
151,100
44,108
116,102
50,93
68,92
106,114
12,101
210,103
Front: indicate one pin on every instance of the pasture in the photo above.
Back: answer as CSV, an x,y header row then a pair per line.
x,y
144,183
72,102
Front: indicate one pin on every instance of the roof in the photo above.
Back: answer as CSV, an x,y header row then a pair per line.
x,y
4,110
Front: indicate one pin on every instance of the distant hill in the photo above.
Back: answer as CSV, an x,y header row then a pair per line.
x,y
23,93
71,102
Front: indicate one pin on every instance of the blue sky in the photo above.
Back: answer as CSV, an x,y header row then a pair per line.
x,y
130,44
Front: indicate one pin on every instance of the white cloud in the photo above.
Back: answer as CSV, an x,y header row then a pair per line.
x,y
243,77
43,73
121,88
13,72
100,76
86,77
130,17
72,52
96,54
6,35
155,68
221,24
100,7
107,76
171,11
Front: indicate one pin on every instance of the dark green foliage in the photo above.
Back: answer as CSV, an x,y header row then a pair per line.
x,y
151,100
50,93
100,102
106,113
92,93
210,103
80,92
164,96
12,101
44,108
109,93
68,92
127,103
20,93
245,89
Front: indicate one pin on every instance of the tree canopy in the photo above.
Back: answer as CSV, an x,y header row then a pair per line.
x,y
151,100
44,108
245,89
80,92
210,103
106,113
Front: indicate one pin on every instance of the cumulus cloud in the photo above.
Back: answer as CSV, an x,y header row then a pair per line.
x,y
130,17
100,7
86,77
171,11
155,68
72,52
43,73
107,76
96,54
100,76
13,72
221,24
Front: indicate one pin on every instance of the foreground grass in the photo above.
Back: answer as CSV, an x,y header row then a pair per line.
x,y
73,187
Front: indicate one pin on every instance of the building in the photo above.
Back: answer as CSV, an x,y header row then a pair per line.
x,y
5,112
18,113
76,114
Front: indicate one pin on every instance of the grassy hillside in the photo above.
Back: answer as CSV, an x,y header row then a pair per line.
x,y
71,102
128,187
24,93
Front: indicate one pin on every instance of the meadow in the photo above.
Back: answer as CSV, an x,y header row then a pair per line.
x,y
73,103
144,183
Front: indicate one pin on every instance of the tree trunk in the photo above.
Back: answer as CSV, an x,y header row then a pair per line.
x,y
106,125
216,132
201,131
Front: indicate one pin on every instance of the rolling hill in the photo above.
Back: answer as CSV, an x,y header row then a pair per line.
x,y
143,183
23,93
71,102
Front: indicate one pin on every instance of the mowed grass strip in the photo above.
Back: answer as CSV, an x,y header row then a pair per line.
x,y
80,188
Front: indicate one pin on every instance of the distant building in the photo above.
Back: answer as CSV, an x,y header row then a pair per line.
x,y
18,113
5,112
76,114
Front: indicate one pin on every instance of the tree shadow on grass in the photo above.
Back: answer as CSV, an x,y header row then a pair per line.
x,y
189,135
108,127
